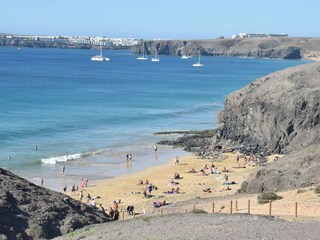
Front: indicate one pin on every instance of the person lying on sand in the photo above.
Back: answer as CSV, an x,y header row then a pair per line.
x,y
177,190
207,190
226,189
229,183
203,173
225,170
157,204
214,171
239,166
192,171
171,182
176,176
205,166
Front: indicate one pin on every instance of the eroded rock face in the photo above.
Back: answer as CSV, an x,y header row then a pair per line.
x,y
284,48
28,211
279,112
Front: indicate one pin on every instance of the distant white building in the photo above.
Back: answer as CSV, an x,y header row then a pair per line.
x,y
255,35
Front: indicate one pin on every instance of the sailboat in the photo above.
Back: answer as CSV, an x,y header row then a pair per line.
x,y
143,57
156,58
198,64
100,57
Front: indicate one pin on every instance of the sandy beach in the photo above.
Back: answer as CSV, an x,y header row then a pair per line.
x,y
191,185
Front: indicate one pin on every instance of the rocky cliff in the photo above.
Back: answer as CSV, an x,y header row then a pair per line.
x,y
278,113
284,48
28,211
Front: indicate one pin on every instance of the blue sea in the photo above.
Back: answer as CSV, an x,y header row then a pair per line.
x,y
87,115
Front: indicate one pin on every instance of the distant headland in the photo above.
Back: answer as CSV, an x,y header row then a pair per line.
x,y
83,42
239,45
251,47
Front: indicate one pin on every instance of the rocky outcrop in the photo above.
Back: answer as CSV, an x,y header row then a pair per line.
x,y
28,211
279,112
284,48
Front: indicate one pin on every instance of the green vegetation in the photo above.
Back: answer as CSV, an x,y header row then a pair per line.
x,y
81,233
268,196
222,207
317,189
198,211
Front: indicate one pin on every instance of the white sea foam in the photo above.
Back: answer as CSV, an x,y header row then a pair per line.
x,y
65,158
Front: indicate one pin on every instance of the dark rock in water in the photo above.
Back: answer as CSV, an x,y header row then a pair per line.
x,y
28,211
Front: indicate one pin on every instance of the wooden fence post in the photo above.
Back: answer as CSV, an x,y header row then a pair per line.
x,y
230,207
134,214
122,215
270,206
194,207
213,207
296,209
236,205
161,211
248,206
186,210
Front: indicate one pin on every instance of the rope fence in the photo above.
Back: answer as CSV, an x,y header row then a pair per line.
x,y
287,209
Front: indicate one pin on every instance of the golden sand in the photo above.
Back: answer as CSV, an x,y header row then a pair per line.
x,y
191,185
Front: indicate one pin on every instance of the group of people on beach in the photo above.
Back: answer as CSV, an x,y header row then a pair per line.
x,y
129,156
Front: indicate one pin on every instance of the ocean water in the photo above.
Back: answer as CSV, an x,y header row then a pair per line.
x,y
87,115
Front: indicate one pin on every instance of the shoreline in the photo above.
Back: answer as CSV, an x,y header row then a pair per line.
x,y
102,167
127,189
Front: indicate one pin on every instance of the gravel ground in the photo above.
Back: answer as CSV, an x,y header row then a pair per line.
x,y
200,226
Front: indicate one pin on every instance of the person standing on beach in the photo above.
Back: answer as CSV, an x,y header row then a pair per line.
x,y
42,181
226,177
127,156
81,196
65,189
130,156
177,161
63,169
155,148
73,189
36,148
238,158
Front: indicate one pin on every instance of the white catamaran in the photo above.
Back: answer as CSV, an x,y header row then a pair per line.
x,y
100,57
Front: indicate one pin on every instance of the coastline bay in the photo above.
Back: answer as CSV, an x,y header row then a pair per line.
x,y
61,101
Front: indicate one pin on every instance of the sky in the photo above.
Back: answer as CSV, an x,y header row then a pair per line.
x,y
165,19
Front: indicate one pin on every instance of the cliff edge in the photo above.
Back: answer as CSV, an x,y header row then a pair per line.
x,y
279,113
28,211
277,47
